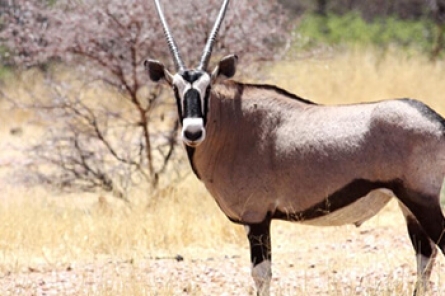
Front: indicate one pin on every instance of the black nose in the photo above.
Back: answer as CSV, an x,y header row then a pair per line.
x,y
193,136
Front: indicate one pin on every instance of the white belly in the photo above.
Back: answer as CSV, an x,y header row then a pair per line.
x,y
357,212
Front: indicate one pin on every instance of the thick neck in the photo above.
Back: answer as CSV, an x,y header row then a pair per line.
x,y
220,129
240,122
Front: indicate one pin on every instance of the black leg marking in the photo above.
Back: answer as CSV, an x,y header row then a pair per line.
x,y
260,255
420,240
428,214
425,221
426,253
259,240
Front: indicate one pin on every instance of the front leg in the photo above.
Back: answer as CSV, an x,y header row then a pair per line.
x,y
260,255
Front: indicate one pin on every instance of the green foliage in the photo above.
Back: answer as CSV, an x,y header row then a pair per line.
x,y
5,69
352,29
5,72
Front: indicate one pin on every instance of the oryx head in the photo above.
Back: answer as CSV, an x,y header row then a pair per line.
x,y
192,86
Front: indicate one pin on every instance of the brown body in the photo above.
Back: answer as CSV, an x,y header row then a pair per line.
x,y
268,152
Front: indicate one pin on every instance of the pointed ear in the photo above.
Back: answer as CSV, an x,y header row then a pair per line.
x,y
157,71
226,67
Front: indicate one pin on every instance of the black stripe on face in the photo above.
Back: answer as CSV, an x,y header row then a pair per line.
x,y
191,76
206,104
339,199
178,104
192,93
192,104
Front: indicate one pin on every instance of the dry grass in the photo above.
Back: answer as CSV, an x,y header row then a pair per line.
x,y
39,228
364,75
45,235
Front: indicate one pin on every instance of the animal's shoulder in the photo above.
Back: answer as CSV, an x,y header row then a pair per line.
x,y
409,114
425,110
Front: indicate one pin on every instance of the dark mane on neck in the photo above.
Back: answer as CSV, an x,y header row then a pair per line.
x,y
281,92
269,87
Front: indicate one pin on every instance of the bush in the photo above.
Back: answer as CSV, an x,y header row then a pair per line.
x,y
104,146
352,29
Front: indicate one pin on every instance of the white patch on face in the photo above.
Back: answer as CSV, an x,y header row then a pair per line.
x,y
262,274
181,84
201,86
202,83
193,125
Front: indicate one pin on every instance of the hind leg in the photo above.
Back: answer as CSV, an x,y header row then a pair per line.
x,y
426,209
424,247
426,224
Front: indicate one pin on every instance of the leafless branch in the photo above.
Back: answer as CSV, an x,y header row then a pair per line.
x,y
125,133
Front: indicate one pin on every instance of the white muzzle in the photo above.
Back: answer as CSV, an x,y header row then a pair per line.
x,y
193,131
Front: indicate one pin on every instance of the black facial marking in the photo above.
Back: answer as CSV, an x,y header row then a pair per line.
x,y
193,136
192,104
178,104
206,104
191,75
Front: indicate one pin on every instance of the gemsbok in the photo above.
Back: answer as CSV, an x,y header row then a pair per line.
x,y
264,154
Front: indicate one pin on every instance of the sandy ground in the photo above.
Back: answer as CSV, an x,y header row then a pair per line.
x,y
368,261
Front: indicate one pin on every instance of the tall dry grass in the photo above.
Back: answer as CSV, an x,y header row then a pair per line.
x,y
38,228
41,229
364,74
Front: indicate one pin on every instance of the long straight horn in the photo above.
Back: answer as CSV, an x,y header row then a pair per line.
x,y
208,48
171,42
